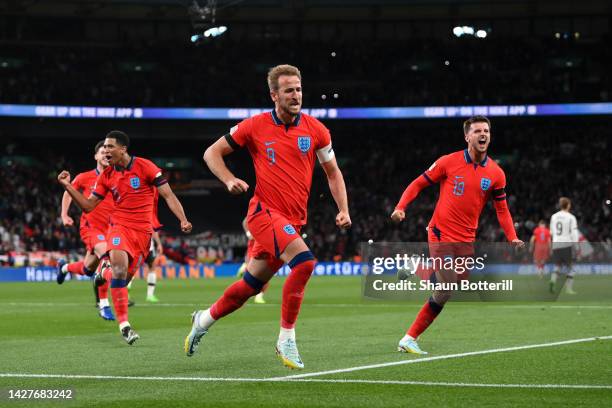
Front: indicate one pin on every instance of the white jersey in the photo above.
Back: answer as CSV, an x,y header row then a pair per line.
x,y
563,229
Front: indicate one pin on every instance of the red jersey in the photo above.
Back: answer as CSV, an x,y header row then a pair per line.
x,y
542,236
284,158
465,188
99,218
132,189
154,220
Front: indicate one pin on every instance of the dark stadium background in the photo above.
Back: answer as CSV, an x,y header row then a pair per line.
x,y
388,53
534,346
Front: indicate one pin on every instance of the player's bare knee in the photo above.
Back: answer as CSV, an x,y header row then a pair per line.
x,y
294,248
119,271
441,296
260,268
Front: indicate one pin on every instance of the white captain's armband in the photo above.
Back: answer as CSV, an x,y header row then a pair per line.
x,y
325,154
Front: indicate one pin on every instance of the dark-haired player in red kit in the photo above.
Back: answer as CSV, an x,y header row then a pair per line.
x,y
468,179
92,228
284,145
540,245
130,180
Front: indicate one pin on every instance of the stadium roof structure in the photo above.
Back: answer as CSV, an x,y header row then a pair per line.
x,y
307,10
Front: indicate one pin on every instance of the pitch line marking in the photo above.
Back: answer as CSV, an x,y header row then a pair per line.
x,y
304,380
443,357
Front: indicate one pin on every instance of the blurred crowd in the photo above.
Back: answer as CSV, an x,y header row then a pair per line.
x,y
336,72
543,159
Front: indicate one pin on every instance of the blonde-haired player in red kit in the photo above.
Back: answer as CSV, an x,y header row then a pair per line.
x,y
284,145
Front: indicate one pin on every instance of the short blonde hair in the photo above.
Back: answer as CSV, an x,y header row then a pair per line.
x,y
275,72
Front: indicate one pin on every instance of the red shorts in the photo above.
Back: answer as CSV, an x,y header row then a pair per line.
x,y
540,255
91,237
135,243
444,249
272,232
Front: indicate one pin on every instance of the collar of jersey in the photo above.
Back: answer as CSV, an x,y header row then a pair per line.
x,y
128,167
468,159
277,120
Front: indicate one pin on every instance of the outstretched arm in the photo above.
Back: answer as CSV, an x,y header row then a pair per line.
x,y
175,206
213,156
410,193
505,220
86,204
338,191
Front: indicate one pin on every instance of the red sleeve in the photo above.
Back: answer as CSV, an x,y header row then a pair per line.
x,y
501,207
153,174
77,183
432,175
412,191
505,219
499,187
436,171
101,188
324,138
240,134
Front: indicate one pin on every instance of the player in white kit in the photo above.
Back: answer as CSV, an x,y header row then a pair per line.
x,y
564,231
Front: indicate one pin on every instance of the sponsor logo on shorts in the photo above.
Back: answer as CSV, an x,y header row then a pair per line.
x,y
101,237
116,240
135,182
289,229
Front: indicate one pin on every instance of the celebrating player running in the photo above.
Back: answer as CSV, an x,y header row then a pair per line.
x,y
131,181
284,145
468,179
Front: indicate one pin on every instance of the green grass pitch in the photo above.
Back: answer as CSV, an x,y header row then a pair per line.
x,y
48,329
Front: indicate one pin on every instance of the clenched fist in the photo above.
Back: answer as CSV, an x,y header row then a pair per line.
x,y
63,178
236,186
186,226
398,216
343,220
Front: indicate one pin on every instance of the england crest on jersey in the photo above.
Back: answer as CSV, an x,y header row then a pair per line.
x,y
289,229
304,143
485,183
135,182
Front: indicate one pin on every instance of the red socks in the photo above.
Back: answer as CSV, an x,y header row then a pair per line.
x,y
107,274
235,296
426,316
78,268
293,290
119,294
